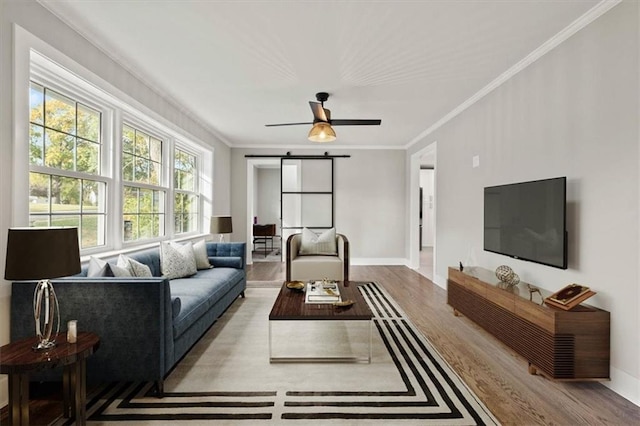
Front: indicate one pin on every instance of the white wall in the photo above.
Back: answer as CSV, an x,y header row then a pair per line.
x,y
369,200
573,113
50,31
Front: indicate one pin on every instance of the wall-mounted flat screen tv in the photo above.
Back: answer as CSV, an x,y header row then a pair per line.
x,y
527,221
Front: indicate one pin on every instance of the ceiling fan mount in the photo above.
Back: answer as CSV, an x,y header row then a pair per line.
x,y
322,96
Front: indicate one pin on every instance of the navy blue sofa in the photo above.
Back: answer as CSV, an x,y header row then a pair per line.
x,y
145,325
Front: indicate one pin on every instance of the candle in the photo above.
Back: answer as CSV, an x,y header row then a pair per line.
x,y
72,331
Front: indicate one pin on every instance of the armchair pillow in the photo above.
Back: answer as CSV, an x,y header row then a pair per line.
x,y
318,244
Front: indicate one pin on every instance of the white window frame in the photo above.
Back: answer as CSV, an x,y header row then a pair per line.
x,y
36,60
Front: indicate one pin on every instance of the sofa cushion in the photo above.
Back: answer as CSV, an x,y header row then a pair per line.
x,y
199,293
317,267
177,261
318,244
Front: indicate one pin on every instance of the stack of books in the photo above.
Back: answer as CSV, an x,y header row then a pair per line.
x,y
322,292
569,297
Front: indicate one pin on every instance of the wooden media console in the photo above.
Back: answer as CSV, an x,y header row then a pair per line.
x,y
564,345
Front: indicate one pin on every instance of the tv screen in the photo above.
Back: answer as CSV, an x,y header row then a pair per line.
x,y
527,221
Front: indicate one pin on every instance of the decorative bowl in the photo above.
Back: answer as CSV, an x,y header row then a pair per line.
x,y
295,285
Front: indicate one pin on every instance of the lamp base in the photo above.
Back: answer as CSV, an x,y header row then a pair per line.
x,y
46,313
44,345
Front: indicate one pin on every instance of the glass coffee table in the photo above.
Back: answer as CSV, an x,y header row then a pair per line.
x,y
320,332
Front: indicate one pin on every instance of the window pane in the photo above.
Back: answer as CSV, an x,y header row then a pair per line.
x,y
88,157
130,204
38,193
68,221
60,112
128,138
36,145
127,167
155,172
59,150
146,205
88,123
89,232
146,224
39,221
142,144
36,103
141,170
93,197
130,227
155,153
65,194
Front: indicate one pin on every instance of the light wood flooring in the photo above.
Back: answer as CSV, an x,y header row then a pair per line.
x,y
494,372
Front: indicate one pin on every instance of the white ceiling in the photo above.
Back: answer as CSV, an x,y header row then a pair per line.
x,y
237,66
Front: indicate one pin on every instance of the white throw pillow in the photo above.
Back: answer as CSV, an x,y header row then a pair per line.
x,y
98,268
135,268
177,261
200,252
323,244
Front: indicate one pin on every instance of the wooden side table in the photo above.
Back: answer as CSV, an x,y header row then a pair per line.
x,y
18,359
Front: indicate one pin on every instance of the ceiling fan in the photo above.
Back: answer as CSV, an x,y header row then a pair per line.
x,y
322,121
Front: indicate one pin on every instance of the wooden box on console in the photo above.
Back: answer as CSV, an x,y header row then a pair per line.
x,y
567,345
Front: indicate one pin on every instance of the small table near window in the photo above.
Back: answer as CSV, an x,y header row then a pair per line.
x,y
263,234
18,359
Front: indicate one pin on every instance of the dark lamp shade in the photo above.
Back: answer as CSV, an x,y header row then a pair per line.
x,y
221,225
38,253
322,132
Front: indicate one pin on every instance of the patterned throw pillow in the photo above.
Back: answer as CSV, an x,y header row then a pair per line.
x,y
135,268
323,244
177,261
200,252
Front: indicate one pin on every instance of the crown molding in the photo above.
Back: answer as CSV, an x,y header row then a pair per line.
x,y
586,19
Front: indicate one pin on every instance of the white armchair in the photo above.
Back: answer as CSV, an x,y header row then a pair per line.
x,y
305,267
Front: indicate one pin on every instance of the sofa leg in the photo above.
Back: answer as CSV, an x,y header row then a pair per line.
x,y
159,389
242,294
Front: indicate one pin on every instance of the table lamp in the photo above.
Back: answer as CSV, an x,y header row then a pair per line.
x,y
41,254
221,225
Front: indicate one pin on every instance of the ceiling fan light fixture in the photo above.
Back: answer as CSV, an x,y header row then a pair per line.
x,y
322,132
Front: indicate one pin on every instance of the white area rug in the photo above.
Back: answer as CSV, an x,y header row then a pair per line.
x,y
227,377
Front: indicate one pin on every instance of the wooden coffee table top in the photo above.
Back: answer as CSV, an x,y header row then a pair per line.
x,y
290,305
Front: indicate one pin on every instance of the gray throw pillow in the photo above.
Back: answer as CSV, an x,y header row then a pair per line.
x,y
98,268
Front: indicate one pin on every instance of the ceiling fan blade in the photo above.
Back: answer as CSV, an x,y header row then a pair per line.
x,y
287,124
356,122
319,113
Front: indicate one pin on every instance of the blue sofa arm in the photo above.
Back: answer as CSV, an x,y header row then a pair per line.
x,y
132,317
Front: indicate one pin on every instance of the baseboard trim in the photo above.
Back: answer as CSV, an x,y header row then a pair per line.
x,y
624,385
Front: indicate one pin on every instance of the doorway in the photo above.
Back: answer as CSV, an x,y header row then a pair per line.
x,y
422,212
264,242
